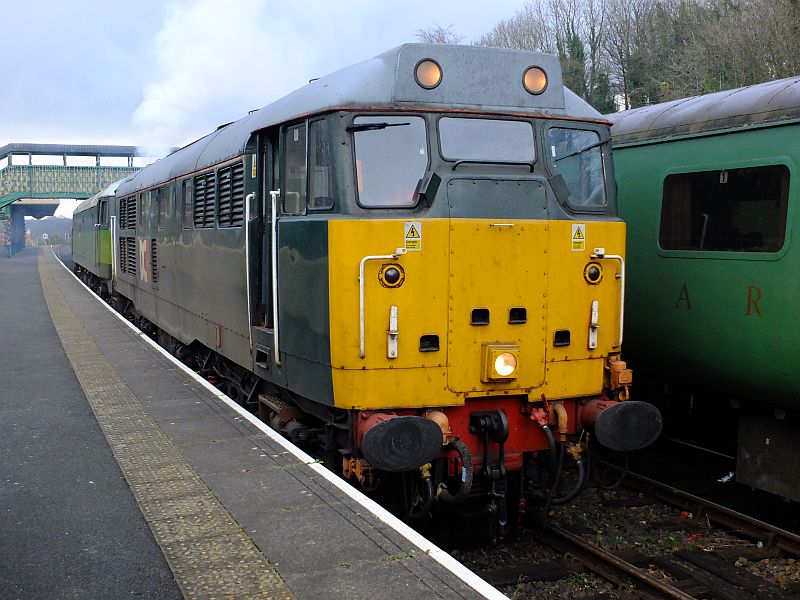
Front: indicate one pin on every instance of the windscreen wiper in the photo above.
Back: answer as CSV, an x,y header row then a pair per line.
x,y
581,151
374,126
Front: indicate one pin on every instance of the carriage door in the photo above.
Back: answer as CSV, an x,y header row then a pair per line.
x,y
102,238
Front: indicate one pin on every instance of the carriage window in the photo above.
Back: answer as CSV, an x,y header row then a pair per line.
x,y
391,158
490,140
294,198
320,184
576,154
738,210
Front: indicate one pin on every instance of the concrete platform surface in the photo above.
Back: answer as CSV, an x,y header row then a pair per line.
x,y
175,492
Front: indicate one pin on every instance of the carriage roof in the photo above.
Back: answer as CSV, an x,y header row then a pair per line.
x,y
92,202
752,106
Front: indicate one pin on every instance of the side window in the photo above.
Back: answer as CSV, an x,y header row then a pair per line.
x,y
161,207
186,204
320,184
102,218
294,197
142,208
737,210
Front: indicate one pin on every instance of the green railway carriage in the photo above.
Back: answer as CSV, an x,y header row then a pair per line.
x,y
414,263
710,188
91,238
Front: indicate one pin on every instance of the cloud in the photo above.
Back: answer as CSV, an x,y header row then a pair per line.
x,y
216,60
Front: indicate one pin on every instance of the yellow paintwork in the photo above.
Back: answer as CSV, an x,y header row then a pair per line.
x,y
466,264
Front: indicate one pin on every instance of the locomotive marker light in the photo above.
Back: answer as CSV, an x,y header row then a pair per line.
x,y
428,73
535,80
500,362
391,275
593,273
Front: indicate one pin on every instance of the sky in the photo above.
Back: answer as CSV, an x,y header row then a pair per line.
x,y
156,74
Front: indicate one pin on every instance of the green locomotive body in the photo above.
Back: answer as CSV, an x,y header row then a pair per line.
x,y
710,188
91,238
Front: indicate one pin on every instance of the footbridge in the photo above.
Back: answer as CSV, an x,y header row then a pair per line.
x,y
34,177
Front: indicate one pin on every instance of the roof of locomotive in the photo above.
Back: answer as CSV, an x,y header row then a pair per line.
x,y
751,106
92,202
491,78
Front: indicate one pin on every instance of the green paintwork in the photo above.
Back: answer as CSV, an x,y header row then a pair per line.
x,y
716,336
104,247
303,305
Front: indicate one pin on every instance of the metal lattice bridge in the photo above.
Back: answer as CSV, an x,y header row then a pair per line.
x,y
34,177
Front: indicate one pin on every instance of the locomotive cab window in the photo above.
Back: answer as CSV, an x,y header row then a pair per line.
x,y
576,154
736,210
391,156
308,168
486,140
294,198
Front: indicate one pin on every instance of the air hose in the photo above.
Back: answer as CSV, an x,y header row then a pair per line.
x,y
461,495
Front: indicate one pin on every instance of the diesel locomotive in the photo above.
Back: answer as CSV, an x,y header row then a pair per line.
x,y
709,188
414,264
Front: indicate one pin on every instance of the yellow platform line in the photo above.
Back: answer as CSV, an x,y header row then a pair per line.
x,y
209,554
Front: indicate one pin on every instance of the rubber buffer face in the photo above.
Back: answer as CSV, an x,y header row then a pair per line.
x,y
628,425
402,443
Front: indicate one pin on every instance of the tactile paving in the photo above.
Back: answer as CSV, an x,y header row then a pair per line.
x,y
209,554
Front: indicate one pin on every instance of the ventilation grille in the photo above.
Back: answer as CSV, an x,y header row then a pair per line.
x,y
204,188
154,261
127,213
231,196
127,255
123,215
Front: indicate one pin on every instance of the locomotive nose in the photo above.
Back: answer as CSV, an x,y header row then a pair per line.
x,y
623,426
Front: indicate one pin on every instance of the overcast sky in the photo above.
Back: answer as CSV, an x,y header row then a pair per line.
x,y
152,73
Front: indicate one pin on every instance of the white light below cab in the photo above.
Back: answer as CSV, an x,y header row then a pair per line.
x,y
505,364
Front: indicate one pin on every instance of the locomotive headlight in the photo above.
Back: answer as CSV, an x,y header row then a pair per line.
x,y
505,364
535,80
428,73
500,362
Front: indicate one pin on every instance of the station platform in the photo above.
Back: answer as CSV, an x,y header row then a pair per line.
x,y
124,475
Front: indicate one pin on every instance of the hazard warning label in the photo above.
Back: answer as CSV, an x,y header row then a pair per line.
x,y
578,237
413,235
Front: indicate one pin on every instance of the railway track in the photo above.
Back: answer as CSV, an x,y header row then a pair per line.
x,y
684,573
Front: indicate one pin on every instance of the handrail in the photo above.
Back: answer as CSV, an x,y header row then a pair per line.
x,y
361,309
600,253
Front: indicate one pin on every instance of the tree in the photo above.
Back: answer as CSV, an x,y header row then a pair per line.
x,y
436,34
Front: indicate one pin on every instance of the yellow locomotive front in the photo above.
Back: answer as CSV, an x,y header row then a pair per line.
x,y
476,304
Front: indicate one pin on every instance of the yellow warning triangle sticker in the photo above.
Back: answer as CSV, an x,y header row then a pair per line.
x,y
412,233
578,235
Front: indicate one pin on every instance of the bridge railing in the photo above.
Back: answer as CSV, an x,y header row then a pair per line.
x,y
55,181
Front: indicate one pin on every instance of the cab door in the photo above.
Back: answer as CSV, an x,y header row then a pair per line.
x,y
102,241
